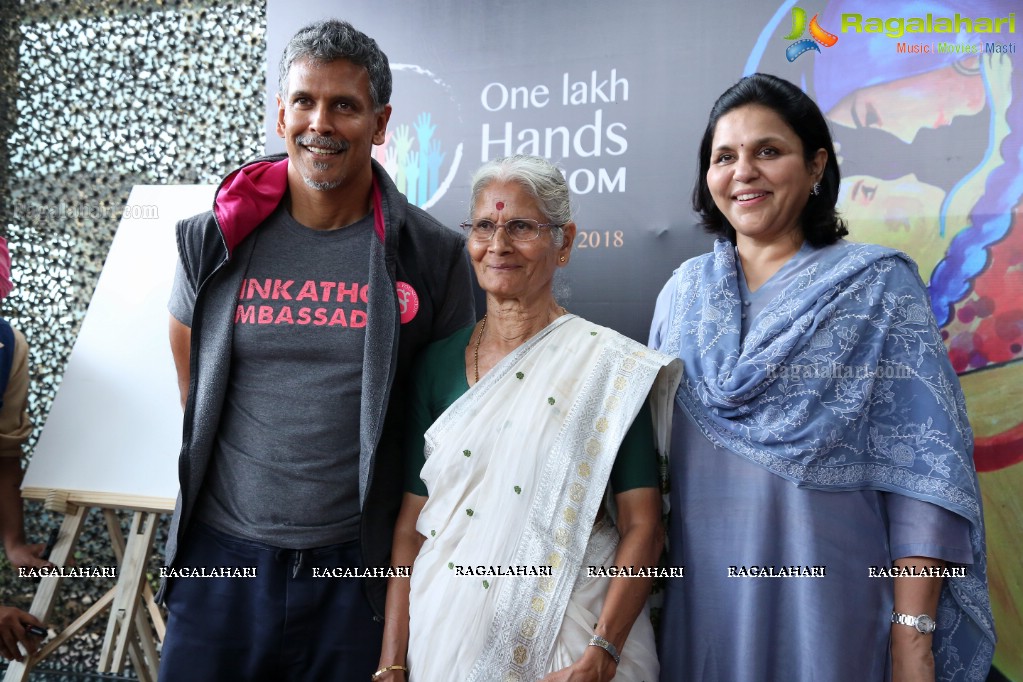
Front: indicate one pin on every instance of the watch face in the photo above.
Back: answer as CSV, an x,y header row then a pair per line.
x,y
925,624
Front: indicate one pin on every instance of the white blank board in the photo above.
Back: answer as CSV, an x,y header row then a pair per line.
x,y
114,430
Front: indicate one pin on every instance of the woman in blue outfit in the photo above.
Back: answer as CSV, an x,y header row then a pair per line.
x,y
823,500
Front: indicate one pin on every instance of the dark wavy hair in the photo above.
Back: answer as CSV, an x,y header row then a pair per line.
x,y
819,221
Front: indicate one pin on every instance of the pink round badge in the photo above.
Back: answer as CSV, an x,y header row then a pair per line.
x,y
408,301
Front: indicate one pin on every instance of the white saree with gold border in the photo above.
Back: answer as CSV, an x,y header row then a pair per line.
x,y
517,471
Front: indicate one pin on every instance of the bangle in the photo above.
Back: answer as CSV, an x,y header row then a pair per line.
x,y
607,646
386,669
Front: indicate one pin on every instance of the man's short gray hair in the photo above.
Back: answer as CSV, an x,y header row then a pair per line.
x,y
542,179
330,40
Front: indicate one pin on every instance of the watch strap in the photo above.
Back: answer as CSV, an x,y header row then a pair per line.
x,y
607,646
923,623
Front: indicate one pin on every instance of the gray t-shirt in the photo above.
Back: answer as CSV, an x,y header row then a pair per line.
x,y
285,467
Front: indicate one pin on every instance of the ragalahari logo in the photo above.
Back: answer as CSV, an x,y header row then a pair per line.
x,y
819,35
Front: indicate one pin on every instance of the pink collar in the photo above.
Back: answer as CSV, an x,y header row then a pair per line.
x,y
248,196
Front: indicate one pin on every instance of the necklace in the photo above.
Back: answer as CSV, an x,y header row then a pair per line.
x,y
476,349
479,337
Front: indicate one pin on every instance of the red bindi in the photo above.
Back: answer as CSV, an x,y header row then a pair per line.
x,y
500,205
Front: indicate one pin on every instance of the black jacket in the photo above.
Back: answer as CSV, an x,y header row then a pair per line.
x,y
413,251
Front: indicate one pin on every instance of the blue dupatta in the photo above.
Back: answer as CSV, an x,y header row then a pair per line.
x,y
842,383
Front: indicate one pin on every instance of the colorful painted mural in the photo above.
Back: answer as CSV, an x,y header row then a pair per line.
x,y
930,128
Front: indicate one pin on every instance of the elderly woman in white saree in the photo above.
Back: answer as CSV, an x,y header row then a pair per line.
x,y
536,414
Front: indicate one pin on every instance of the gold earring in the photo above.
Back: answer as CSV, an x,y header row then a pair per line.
x,y
562,259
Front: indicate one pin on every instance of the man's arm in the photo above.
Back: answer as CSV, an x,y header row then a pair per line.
x,y
181,345
19,553
15,428
182,304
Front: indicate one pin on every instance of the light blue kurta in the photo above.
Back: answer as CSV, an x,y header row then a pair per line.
x,y
729,512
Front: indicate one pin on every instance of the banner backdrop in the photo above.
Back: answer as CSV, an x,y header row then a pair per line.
x,y
613,94
925,99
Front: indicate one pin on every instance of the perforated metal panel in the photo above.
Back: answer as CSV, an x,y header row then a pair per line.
x,y
96,97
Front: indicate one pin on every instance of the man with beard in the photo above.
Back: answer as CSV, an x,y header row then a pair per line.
x,y
299,303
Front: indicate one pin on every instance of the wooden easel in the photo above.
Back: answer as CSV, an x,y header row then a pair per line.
x,y
128,630
120,370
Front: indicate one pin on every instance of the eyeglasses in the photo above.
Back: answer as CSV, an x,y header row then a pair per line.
x,y
517,229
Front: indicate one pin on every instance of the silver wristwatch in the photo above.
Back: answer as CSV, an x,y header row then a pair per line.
x,y
923,623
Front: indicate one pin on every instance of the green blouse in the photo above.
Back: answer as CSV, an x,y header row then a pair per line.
x,y
438,380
